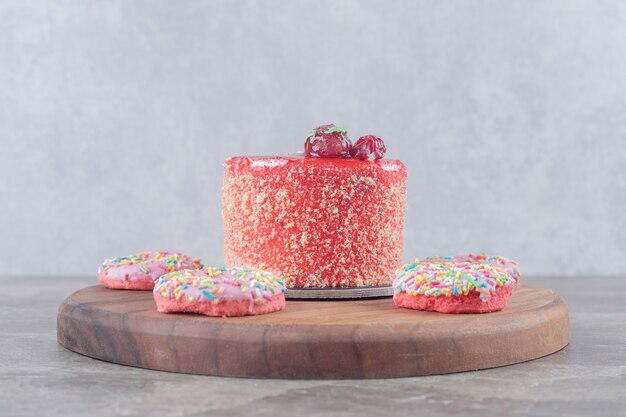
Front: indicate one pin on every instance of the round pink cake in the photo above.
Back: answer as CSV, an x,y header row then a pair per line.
x,y
462,284
318,222
140,271
221,292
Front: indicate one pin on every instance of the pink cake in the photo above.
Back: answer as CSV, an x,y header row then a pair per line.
x,y
140,271
462,284
330,218
318,222
222,292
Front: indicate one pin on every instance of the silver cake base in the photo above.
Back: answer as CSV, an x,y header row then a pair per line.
x,y
338,293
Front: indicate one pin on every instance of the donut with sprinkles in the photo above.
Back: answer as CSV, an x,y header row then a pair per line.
x,y
508,265
221,292
456,284
140,271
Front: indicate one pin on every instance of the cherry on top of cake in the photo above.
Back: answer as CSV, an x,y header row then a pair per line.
x,y
329,145
330,141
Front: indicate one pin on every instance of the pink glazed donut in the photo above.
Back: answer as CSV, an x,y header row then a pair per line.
x,y
140,271
221,292
508,265
456,284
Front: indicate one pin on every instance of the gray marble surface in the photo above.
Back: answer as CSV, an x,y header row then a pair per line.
x,y
40,378
116,117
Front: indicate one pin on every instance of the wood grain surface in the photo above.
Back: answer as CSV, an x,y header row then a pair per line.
x,y
312,339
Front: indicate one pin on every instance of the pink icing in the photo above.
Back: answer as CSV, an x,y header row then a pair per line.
x,y
508,265
217,285
223,309
276,161
145,265
456,276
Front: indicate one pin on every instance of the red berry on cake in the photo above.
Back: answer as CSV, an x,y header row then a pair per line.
x,y
369,148
328,141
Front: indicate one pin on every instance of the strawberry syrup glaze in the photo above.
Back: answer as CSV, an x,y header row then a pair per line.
x,y
316,222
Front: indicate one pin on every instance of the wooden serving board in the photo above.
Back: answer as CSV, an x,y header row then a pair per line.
x,y
312,339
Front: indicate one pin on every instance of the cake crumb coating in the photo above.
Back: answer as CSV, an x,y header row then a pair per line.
x,y
316,222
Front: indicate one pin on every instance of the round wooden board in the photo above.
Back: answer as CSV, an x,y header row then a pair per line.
x,y
312,339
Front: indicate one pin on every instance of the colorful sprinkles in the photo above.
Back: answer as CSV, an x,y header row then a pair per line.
x,y
166,261
455,276
216,285
508,265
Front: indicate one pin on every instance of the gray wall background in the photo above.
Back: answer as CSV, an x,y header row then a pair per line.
x,y
116,116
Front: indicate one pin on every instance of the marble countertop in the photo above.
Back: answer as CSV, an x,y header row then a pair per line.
x,y
38,377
